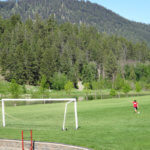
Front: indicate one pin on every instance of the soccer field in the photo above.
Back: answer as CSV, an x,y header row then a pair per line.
x,y
109,124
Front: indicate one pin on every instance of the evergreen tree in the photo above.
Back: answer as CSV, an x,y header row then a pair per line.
x,y
111,66
41,47
89,72
132,75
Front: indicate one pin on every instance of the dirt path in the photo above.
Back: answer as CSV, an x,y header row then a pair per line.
x,y
17,145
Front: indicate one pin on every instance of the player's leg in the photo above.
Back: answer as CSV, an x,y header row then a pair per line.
x,y
135,108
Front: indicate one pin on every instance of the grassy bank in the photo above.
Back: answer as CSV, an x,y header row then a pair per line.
x,y
34,92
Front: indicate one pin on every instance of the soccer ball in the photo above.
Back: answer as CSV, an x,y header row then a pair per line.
x,y
138,112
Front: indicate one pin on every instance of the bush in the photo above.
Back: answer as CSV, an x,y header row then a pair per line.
x,y
68,87
14,89
58,81
91,97
86,88
24,90
138,87
147,86
113,92
126,88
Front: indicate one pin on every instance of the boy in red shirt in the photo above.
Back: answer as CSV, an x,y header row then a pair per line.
x,y
135,105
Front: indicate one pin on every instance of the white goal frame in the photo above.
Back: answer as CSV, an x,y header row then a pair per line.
x,y
67,100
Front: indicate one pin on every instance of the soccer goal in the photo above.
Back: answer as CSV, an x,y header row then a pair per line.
x,y
67,100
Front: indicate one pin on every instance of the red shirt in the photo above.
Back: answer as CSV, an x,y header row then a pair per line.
x,y
135,104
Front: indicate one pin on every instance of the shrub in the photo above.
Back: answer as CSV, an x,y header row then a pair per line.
x,y
86,88
138,87
58,81
147,86
113,92
68,87
14,89
126,88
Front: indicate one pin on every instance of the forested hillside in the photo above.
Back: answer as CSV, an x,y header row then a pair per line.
x,y
31,49
79,12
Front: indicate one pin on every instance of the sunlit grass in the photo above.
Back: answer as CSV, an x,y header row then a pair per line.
x,y
103,124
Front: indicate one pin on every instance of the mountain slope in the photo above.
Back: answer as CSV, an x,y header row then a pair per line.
x,y
78,12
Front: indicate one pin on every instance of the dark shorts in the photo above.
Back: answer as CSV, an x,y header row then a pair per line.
x,y
135,108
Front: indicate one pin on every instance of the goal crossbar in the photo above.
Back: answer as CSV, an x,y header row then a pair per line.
x,y
67,100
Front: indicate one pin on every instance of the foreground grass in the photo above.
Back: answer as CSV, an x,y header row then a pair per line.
x,y
103,124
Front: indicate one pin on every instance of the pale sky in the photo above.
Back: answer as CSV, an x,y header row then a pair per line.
x,y
135,10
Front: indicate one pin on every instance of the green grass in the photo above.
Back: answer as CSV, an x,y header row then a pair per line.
x,y
104,124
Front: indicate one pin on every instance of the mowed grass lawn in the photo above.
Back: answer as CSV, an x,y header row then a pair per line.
x,y
109,124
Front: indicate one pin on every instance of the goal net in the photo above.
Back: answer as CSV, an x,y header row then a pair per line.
x,y
42,114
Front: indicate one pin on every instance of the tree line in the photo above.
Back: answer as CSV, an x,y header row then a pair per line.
x,y
35,48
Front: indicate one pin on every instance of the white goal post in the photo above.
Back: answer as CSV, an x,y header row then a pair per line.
x,y
68,100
